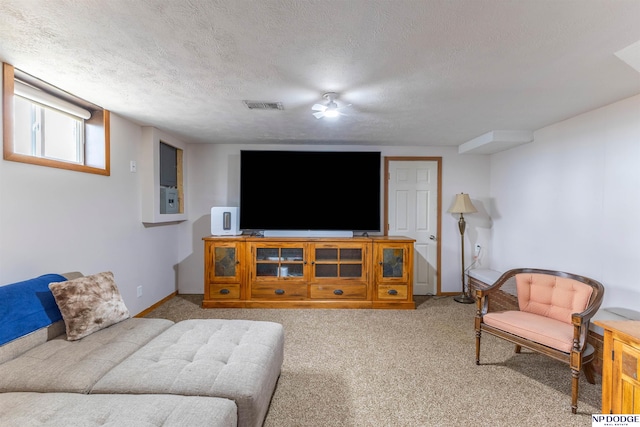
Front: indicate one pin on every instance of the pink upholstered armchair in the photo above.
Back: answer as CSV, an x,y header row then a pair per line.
x,y
553,318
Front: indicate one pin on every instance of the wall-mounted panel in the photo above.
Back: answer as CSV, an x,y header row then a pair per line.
x,y
149,168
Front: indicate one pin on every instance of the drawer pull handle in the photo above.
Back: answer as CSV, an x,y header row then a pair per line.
x,y
392,292
225,291
279,291
338,292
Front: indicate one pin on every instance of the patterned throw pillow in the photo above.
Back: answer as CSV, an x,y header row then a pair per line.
x,y
89,304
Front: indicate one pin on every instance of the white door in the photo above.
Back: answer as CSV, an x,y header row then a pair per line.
x,y
412,211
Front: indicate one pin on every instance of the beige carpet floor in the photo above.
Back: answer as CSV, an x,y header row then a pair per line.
x,y
405,368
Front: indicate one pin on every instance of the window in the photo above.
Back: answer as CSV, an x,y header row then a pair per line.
x,y
48,127
45,132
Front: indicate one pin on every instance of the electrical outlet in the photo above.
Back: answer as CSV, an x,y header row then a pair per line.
x,y
139,291
133,166
477,250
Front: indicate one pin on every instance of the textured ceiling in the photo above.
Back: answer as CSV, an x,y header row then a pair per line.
x,y
421,72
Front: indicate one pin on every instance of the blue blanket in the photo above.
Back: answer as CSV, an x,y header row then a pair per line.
x,y
27,306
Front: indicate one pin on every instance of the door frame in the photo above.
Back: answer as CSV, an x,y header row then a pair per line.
x,y
438,160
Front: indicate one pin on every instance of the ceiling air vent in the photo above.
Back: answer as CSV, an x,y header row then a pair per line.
x,y
258,105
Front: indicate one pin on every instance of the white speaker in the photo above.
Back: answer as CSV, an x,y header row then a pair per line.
x,y
224,221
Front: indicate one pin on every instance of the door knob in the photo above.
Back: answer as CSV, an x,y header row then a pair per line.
x,y
432,237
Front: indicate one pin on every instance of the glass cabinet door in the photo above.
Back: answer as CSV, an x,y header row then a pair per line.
x,y
351,262
223,260
279,262
326,262
392,262
339,262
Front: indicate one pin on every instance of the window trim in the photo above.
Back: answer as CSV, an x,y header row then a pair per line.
x,y
8,76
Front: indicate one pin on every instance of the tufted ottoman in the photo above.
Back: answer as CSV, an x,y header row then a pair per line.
x,y
235,359
74,409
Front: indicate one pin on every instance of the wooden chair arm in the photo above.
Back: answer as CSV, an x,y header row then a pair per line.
x,y
582,320
482,295
498,283
482,304
585,316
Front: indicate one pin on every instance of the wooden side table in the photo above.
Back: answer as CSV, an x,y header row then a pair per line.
x,y
621,365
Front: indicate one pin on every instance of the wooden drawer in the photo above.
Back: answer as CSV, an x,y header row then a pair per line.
x,y
338,291
393,292
224,291
279,291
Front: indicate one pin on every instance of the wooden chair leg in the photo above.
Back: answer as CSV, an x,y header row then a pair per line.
x,y
518,348
477,347
574,390
588,372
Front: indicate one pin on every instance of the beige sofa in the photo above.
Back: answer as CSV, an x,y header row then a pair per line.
x,y
142,371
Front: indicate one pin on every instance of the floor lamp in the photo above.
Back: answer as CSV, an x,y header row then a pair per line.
x,y
463,205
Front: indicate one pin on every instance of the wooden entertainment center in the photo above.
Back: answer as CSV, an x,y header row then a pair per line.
x,y
303,272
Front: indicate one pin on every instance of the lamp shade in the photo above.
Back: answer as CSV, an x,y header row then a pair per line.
x,y
462,204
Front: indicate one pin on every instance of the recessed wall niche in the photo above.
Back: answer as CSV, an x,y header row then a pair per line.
x,y
162,173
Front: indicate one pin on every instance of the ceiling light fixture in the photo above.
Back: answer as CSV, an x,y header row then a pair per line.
x,y
329,110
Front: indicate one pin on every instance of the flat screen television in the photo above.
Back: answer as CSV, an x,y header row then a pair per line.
x,y
310,190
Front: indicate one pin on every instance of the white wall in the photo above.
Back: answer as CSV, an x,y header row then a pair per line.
x,y
567,201
214,180
570,201
54,221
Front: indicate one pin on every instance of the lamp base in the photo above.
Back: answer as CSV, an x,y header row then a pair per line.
x,y
464,299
